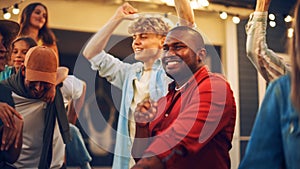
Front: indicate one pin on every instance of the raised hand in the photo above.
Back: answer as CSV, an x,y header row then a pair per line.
x,y
145,112
49,95
125,12
12,134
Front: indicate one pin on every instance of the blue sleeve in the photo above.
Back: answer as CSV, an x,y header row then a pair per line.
x,y
264,150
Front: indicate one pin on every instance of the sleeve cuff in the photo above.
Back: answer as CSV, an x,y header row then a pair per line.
x,y
96,60
257,14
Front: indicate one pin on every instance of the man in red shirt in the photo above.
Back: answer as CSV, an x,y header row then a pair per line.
x,y
192,127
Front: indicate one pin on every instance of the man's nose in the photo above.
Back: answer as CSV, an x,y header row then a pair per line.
x,y
169,52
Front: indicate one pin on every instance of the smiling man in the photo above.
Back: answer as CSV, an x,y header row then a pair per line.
x,y
192,127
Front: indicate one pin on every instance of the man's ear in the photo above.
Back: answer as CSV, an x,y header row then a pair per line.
x,y
201,54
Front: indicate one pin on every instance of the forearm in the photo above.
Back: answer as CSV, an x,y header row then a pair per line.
x,y
79,102
267,62
98,42
262,5
185,13
141,142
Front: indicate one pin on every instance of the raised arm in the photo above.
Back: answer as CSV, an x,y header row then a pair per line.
x,y
98,42
269,65
185,13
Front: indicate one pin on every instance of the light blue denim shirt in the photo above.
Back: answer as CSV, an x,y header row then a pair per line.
x,y
275,137
122,75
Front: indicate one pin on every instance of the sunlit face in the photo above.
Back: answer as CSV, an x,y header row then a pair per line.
x,y
147,46
37,89
19,51
179,60
3,53
38,17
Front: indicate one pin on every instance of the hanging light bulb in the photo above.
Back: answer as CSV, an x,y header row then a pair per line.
x,y
16,9
236,19
195,4
169,2
288,18
223,15
272,24
6,14
271,16
203,3
290,32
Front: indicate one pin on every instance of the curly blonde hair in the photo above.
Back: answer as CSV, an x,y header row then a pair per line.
x,y
149,25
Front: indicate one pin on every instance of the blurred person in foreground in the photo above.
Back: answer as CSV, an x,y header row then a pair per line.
x,y
275,137
11,122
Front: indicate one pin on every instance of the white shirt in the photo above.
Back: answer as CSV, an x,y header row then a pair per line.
x,y
33,112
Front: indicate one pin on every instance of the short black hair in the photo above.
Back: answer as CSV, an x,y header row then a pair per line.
x,y
192,31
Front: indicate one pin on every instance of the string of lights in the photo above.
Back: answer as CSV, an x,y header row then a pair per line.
x,y
14,9
203,5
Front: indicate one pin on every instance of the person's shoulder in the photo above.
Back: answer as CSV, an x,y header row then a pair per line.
x,y
283,81
4,89
6,95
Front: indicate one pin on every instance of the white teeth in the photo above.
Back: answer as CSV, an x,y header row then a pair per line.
x,y
172,63
138,49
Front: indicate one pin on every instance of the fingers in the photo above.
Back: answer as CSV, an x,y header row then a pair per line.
x,y
12,135
18,115
128,9
6,136
10,139
6,114
145,111
18,133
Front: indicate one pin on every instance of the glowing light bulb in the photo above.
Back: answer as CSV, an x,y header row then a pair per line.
x,y
16,9
290,32
288,18
6,14
223,15
236,19
272,24
272,17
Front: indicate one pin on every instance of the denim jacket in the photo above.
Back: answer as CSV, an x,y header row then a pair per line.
x,y
275,137
122,75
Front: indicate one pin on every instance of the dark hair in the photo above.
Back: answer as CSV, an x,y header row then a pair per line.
x,y
295,59
30,42
45,33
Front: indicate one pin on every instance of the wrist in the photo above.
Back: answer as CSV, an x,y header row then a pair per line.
x,y
262,6
142,125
